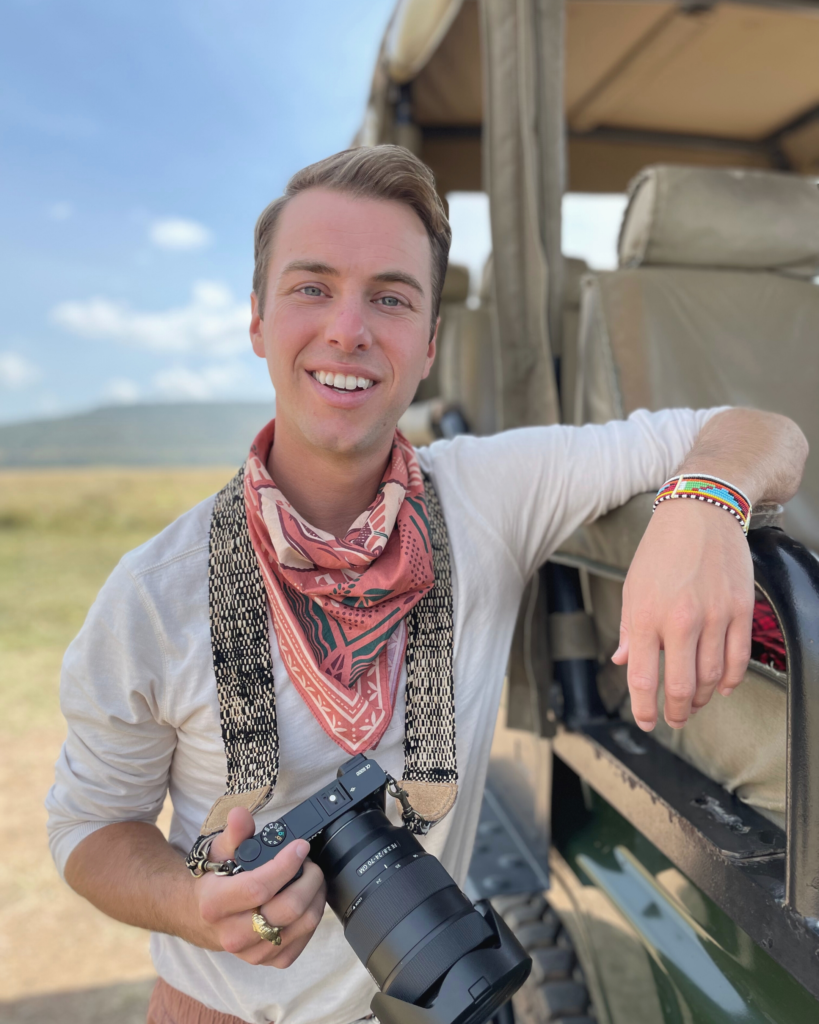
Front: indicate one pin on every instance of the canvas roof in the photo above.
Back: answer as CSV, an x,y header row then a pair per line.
x,y
646,81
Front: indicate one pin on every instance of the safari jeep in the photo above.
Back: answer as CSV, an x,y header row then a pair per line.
x,y
671,877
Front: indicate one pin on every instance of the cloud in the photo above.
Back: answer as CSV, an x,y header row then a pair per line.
x,y
121,390
61,211
17,372
212,324
199,385
179,234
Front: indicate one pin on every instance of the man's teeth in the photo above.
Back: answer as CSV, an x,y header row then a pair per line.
x,y
341,381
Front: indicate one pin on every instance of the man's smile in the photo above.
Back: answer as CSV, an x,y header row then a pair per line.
x,y
351,391
342,381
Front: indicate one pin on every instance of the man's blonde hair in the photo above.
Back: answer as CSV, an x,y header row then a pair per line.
x,y
367,172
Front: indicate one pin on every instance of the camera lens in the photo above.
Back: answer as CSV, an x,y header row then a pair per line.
x,y
411,926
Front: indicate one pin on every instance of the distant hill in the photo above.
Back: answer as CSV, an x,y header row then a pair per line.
x,y
184,434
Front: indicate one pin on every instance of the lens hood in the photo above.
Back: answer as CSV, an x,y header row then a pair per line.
x,y
473,989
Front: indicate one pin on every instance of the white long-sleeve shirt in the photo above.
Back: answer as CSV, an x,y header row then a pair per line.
x,y
139,693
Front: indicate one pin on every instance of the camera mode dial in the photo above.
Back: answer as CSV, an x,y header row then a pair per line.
x,y
273,833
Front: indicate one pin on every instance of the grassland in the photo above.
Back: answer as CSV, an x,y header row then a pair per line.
x,y
61,533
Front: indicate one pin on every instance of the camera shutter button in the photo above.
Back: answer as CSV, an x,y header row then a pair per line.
x,y
249,850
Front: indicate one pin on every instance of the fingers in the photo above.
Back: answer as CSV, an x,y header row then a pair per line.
x,y
620,656
297,918
698,660
296,937
737,654
680,677
228,903
290,904
221,897
240,826
643,668
710,663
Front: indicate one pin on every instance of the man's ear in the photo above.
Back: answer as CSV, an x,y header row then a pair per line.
x,y
256,339
432,350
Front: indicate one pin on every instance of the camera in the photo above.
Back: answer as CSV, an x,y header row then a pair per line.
x,y
435,957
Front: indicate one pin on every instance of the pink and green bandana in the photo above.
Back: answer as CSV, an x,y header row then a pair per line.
x,y
338,603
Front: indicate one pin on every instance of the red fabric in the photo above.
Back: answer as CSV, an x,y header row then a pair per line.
x,y
767,642
170,1006
338,603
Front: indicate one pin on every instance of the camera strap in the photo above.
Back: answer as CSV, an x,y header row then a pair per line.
x,y
242,663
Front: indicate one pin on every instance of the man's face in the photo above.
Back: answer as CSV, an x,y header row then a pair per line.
x,y
348,303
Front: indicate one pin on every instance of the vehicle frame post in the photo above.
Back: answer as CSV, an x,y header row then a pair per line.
x,y
787,574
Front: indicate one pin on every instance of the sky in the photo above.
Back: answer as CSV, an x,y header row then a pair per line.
x,y
590,227
139,142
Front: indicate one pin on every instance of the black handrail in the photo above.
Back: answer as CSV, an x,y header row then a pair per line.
x,y
577,677
788,575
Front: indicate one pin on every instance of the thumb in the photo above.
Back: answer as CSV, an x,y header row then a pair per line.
x,y
620,656
240,826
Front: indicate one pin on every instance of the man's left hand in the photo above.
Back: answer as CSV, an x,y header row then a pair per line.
x,y
690,593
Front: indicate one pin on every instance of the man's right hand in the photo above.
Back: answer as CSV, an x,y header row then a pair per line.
x,y
226,904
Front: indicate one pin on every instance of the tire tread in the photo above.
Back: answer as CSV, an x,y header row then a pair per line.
x,y
555,992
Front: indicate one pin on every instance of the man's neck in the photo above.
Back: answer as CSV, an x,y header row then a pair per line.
x,y
328,489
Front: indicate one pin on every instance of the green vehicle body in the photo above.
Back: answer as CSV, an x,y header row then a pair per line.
x,y
656,949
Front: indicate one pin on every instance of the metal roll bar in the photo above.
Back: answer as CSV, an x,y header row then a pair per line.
x,y
788,575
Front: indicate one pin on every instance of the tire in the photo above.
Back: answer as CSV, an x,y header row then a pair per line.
x,y
555,992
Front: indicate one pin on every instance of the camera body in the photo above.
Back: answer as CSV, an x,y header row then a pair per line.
x,y
435,957
358,780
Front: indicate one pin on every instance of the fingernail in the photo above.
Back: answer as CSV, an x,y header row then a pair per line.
x,y
302,848
644,725
616,653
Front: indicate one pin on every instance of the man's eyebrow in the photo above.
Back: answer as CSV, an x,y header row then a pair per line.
x,y
325,270
310,267
399,277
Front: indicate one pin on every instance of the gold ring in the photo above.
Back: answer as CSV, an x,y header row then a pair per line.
x,y
270,932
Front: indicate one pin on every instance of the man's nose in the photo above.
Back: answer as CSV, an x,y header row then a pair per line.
x,y
347,328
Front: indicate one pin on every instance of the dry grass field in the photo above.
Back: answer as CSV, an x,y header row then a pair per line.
x,y
61,533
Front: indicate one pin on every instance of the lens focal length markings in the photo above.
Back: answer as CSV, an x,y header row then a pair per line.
x,y
376,858
383,876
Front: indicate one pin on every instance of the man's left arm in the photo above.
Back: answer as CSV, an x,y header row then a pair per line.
x,y
690,589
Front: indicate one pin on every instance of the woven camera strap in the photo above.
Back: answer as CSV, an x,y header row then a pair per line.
x,y
243,666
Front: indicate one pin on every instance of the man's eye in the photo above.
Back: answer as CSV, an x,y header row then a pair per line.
x,y
390,300
312,290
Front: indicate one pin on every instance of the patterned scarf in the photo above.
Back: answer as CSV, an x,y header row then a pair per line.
x,y
338,603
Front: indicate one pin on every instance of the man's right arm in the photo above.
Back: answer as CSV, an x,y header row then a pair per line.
x,y
111,781
130,872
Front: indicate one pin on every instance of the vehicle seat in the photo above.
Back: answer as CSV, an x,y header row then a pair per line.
x,y
713,303
453,300
419,422
467,358
468,361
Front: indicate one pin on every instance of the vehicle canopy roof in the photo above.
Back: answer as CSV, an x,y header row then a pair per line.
x,y
714,84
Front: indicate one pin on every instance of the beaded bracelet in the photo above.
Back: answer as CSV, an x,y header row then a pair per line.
x,y
710,489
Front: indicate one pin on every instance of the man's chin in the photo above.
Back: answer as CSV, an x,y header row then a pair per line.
x,y
345,439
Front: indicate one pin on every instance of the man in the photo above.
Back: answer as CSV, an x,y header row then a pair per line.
x,y
339,515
